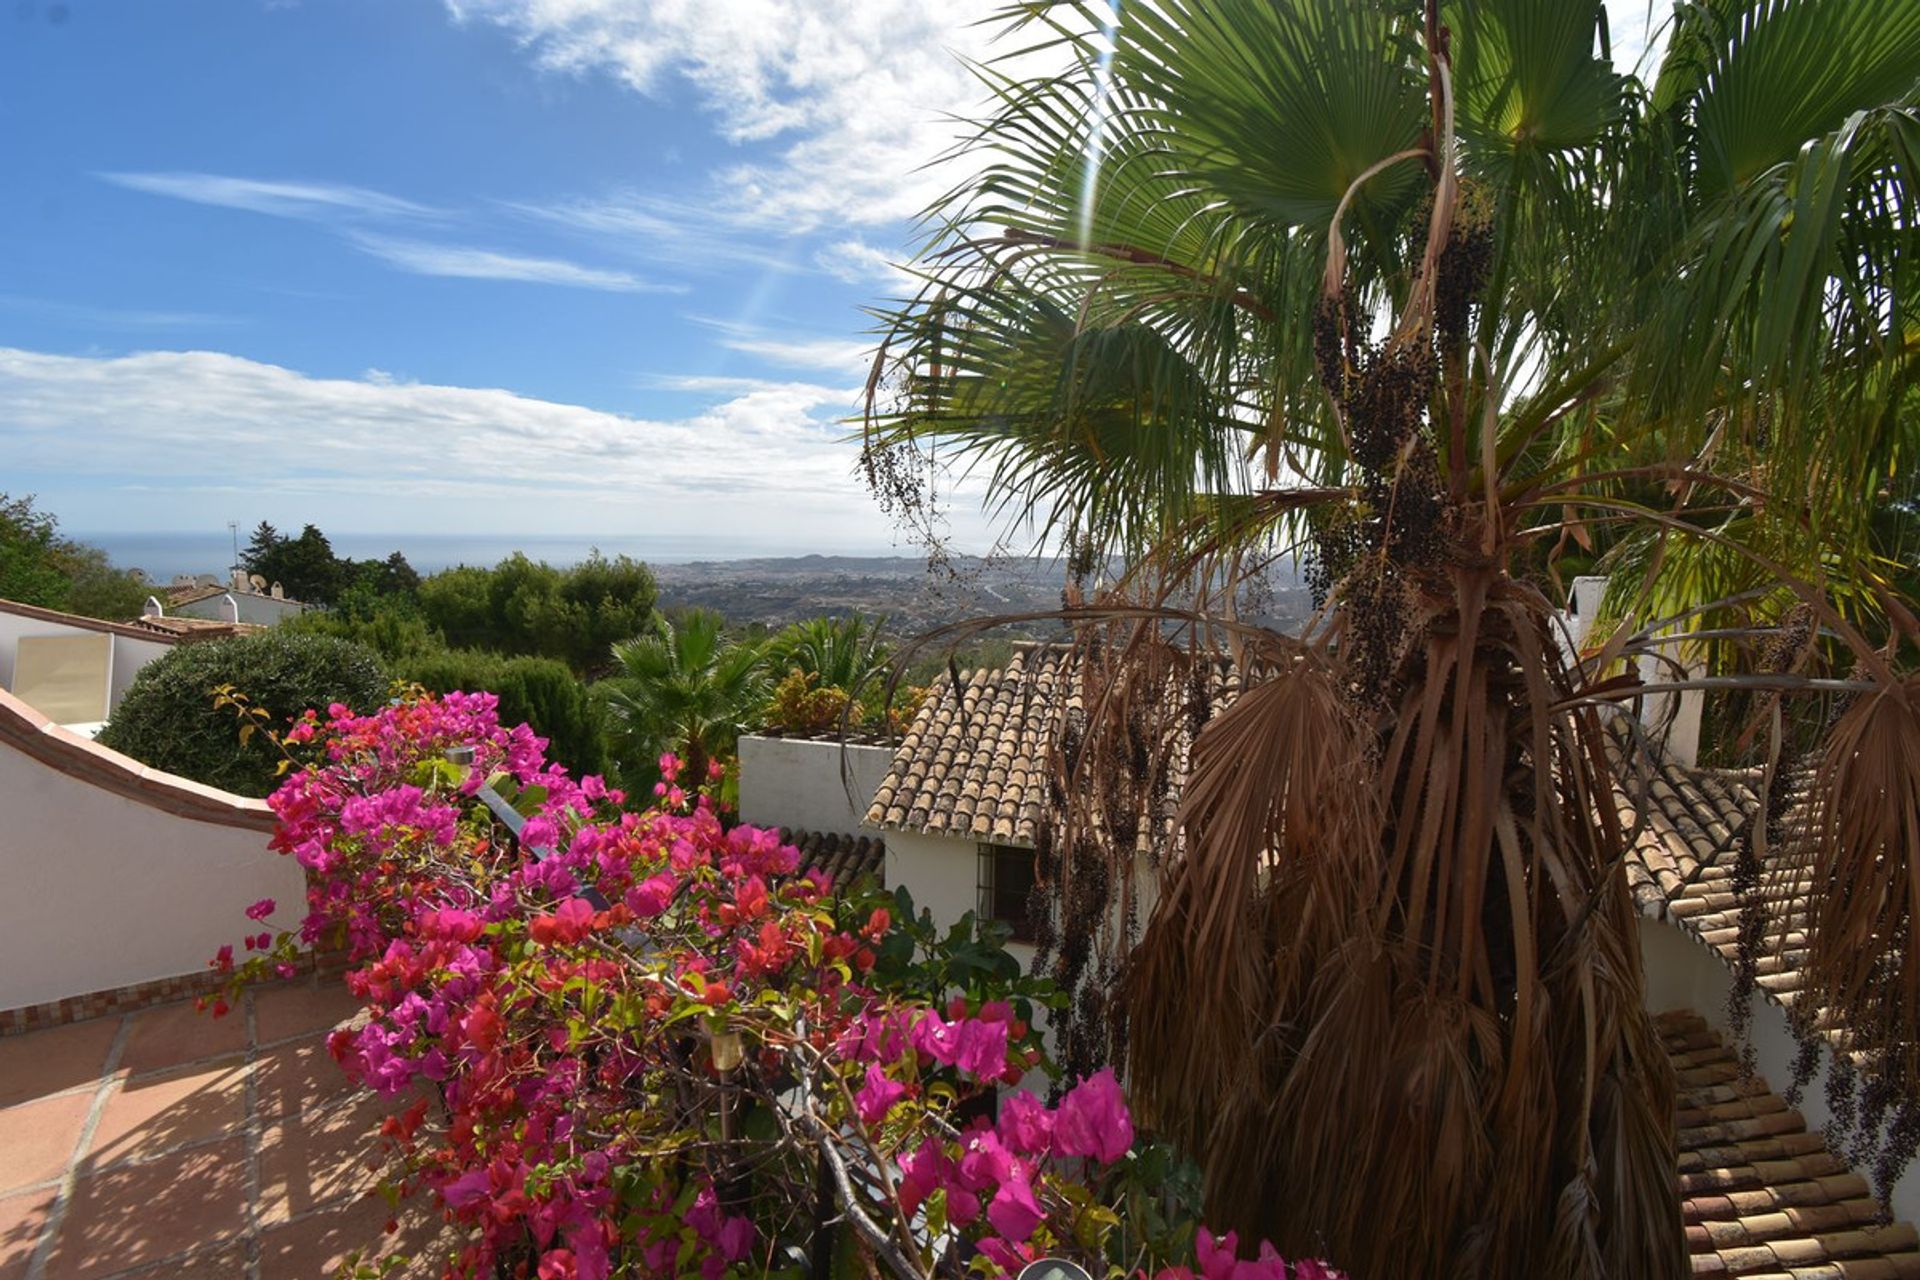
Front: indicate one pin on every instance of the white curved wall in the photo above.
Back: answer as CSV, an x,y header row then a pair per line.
x,y
100,891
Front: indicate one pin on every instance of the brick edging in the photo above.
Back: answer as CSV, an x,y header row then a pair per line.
x,y
143,995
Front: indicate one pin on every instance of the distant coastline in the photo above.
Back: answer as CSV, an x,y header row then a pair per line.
x,y
163,555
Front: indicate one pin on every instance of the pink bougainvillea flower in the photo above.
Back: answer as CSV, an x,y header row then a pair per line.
x,y
261,909
984,1163
876,1097
1216,1257
1026,1126
1015,1212
982,1050
1092,1120
1009,1257
558,1264
1220,1260
922,1172
651,896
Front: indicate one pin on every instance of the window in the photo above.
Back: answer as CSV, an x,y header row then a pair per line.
x,y
1006,881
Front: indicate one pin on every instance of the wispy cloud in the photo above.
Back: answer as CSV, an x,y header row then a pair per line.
x,y
693,235
849,356
281,199
856,99
466,262
857,262
114,317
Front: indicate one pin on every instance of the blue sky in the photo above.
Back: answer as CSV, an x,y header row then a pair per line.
x,y
394,265
569,267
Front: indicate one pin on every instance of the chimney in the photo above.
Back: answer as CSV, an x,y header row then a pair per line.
x,y
152,609
233,608
239,579
279,593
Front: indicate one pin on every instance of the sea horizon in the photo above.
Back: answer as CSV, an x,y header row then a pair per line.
x,y
165,555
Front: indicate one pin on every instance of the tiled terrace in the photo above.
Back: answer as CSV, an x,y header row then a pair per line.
x,y
166,1143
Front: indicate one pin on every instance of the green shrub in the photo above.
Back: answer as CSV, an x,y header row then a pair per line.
x,y
392,626
540,691
168,721
529,607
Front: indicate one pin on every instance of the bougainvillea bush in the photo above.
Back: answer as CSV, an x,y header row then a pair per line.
x,y
645,1044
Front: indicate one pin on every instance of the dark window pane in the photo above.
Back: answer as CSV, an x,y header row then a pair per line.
x,y
1011,882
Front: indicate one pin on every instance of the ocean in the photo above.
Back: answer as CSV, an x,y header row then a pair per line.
x,y
162,556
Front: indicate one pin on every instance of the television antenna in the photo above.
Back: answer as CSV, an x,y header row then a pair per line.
x,y
233,531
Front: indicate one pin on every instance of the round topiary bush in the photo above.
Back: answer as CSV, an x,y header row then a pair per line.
x,y
168,719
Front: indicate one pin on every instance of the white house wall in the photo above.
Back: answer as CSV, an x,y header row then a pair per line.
x,y
941,872
798,783
129,654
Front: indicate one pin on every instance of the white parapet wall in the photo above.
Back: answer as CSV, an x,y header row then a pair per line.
x,y
809,784
113,875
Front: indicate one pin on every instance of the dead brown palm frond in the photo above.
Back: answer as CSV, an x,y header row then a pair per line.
x,y
1397,953
1861,855
1276,793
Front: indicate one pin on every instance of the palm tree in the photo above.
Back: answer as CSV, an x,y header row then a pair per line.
x,y
839,653
1440,299
688,688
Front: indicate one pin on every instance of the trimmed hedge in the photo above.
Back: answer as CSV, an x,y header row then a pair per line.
x,y
167,719
542,692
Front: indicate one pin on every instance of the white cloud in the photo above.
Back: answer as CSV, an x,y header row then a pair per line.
x,y
848,357
1634,27
856,99
692,235
114,317
770,458
857,262
465,262
282,199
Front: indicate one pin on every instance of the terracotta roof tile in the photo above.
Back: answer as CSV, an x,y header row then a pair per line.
x,y
1686,827
845,858
975,765
1760,1195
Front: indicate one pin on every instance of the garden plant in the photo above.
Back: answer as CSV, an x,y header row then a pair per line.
x,y
650,1044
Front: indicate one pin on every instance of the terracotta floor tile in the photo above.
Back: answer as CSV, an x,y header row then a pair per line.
x,y
54,1059
144,1213
300,1009
176,1034
316,1246
150,1114
297,1075
222,1262
21,1219
317,1157
37,1138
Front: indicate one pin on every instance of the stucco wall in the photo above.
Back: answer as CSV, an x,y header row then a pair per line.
x,y
99,890
129,654
263,610
1683,974
941,872
792,782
